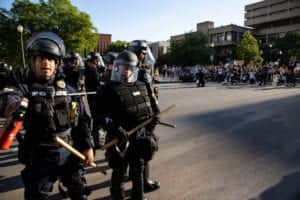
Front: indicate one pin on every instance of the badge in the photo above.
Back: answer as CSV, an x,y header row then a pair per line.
x,y
61,84
137,93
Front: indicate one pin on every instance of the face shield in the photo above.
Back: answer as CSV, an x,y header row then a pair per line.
x,y
149,62
76,62
124,72
101,62
96,60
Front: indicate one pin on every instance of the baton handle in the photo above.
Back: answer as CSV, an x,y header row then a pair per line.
x,y
167,124
72,150
116,140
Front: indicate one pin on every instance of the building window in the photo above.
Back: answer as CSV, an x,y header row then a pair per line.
x,y
228,37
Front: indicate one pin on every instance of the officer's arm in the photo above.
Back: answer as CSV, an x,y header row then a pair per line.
x,y
153,99
83,136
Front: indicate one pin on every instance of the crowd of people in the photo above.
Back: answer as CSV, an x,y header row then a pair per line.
x,y
78,100
235,74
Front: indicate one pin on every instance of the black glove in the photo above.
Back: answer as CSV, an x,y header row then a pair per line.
x,y
151,126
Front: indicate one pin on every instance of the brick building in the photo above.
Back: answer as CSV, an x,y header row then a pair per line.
x,y
103,40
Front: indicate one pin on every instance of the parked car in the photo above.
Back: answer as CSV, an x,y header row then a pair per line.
x,y
187,74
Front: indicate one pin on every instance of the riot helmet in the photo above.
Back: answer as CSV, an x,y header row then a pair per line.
x,y
46,43
74,59
125,67
95,58
110,57
138,47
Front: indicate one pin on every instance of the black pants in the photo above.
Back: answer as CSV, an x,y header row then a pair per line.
x,y
39,178
119,166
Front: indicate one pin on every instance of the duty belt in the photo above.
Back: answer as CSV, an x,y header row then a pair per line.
x,y
64,135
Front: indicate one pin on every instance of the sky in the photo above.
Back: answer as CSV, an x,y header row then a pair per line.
x,y
156,20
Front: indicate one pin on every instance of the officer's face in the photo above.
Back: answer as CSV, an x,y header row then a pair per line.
x,y
141,56
126,72
44,67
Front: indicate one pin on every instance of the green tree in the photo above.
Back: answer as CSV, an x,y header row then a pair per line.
x,y
190,51
289,46
164,59
248,50
116,46
59,16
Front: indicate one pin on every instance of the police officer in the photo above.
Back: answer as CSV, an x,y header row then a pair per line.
x,y
52,113
94,70
109,60
127,104
200,77
141,49
93,76
74,71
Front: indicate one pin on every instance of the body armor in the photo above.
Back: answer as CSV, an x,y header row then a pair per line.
x,y
48,115
133,108
135,101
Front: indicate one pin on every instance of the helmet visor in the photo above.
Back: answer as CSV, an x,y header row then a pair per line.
x,y
125,73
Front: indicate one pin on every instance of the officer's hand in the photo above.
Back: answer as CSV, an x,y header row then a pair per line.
x,y
89,156
151,126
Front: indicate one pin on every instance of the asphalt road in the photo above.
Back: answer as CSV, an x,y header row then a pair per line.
x,y
231,143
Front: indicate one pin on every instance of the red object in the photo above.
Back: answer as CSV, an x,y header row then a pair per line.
x,y
9,132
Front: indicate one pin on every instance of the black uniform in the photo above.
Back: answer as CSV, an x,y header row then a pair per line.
x,y
92,81
72,75
200,78
48,116
126,106
140,47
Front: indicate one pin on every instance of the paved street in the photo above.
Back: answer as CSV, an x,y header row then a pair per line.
x,y
231,143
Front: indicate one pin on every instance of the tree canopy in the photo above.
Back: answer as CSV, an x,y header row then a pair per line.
x,y
289,45
59,16
248,50
193,49
116,46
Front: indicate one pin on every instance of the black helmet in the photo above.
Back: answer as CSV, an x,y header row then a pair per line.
x,y
138,46
74,59
46,43
74,55
125,60
110,57
95,56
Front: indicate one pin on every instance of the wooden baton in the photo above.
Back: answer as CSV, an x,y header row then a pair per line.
x,y
74,151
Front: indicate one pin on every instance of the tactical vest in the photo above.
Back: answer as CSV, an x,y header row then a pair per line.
x,y
135,102
48,112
